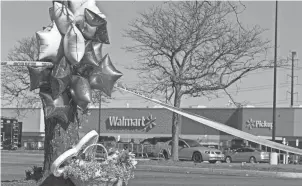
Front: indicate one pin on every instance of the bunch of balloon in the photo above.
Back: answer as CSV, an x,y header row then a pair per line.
x,y
73,43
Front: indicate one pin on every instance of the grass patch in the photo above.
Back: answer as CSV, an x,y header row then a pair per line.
x,y
19,183
237,166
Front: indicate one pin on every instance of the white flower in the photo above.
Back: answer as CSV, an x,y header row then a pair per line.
x,y
98,173
81,163
133,162
114,156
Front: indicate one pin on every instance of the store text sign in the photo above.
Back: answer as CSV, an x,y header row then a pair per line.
x,y
115,121
250,124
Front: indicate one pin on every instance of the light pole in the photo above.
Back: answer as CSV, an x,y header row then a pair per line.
x,y
275,74
100,105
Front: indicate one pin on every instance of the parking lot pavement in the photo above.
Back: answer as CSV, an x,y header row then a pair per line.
x,y
176,179
14,165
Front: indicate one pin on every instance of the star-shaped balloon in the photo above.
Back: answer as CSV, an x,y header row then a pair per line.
x,y
51,12
94,26
84,70
56,108
94,19
97,46
88,31
49,43
39,77
60,78
89,56
74,45
104,76
78,8
101,34
62,16
80,91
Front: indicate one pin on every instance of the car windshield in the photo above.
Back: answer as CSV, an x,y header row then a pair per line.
x,y
193,143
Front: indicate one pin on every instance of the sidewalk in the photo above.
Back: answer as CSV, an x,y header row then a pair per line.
x,y
219,171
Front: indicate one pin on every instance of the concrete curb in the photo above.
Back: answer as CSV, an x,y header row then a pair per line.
x,y
214,171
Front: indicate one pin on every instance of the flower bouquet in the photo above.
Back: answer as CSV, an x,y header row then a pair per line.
x,y
83,169
115,170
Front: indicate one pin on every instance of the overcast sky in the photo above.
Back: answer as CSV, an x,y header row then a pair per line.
x,y
23,18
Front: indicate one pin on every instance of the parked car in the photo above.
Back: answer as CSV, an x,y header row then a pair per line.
x,y
191,150
246,154
153,141
211,145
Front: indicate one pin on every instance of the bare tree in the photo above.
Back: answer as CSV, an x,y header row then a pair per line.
x,y
15,79
194,48
15,91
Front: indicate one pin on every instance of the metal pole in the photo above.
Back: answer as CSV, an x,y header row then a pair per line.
x,y
11,133
292,81
100,105
275,75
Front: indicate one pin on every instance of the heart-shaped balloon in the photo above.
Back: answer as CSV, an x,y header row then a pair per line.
x,y
80,91
94,19
104,77
74,45
62,16
39,77
60,78
49,44
89,139
56,108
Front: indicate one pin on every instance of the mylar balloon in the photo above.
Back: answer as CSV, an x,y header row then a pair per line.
x,y
97,46
39,77
84,70
89,56
63,17
80,91
60,78
101,34
74,45
56,108
88,31
51,13
78,8
79,4
104,77
94,19
49,44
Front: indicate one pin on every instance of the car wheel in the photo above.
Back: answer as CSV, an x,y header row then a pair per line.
x,y
228,159
197,157
252,159
212,161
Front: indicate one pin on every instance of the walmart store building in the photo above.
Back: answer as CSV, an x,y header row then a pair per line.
x,y
131,123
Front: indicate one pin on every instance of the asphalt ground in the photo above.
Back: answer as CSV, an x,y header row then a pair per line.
x,y
175,179
13,166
